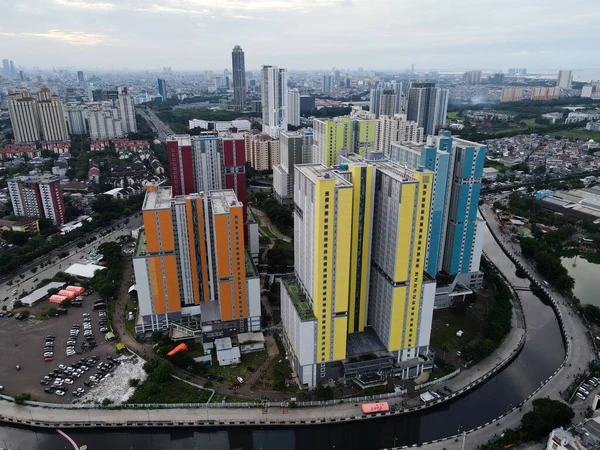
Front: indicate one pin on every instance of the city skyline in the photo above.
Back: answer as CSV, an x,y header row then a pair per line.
x,y
36,31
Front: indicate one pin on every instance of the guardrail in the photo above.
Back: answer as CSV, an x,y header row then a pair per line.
x,y
439,380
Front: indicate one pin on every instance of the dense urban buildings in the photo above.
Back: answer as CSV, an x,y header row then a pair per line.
x,y
38,196
472,77
191,268
295,147
239,78
342,272
545,93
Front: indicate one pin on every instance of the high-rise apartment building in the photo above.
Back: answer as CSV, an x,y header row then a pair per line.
x,y
5,67
39,196
307,102
295,147
262,151
191,269
104,121
52,116
126,108
396,129
472,77
565,79
239,78
330,137
398,90
80,76
210,161
162,89
364,130
387,106
511,94
455,234
591,90
375,101
327,87
24,116
545,93
515,72
76,119
359,300
274,93
427,105
294,107
13,71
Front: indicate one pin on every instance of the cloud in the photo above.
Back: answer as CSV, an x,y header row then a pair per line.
x,y
77,38
85,4
24,9
7,34
521,53
159,9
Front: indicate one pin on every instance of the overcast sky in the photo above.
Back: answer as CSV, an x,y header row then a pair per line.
x,y
311,34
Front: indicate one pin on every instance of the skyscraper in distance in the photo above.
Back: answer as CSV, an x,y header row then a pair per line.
x,y
387,105
294,107
162,89
126,108
80,76
427,105
565,79
239,78
327,87
274,93
13,71
5,67
375,101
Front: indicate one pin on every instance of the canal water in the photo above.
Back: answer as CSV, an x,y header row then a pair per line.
x,y
585,269
541,355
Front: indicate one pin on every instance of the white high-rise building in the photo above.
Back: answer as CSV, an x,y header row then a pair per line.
x,y
104,122
441,107
76,115
375,101
565,79
396,129
295,147
274,100
126,108
52,116
294,107
24,116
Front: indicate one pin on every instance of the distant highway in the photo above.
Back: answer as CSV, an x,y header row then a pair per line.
x,y
157,125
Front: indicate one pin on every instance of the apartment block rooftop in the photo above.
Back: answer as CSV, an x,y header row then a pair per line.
x,y
182,139
157,199
140,246
398,171
45,178
223,200
318,172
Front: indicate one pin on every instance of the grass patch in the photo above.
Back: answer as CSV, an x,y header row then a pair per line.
x,y
170,391
447,322
266,232
230,373
452,115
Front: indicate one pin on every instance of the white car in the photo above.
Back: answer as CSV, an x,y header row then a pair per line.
x,y
86,314
81,390
62,366
69,381
240,380
59,393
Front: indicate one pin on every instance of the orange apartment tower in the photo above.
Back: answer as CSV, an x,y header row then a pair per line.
x,y
191,268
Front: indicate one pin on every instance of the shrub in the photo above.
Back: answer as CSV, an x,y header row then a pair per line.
x,y
134,382
21,398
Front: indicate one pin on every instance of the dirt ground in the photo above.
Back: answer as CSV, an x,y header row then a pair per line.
x,y
23,344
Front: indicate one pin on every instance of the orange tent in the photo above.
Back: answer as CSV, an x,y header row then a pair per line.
x,y
78,290
179,348
57,299
67,294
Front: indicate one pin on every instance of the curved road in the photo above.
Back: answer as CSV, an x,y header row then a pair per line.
x,y
576,361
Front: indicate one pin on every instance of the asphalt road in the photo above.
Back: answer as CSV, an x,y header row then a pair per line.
x,y
161,128
75,255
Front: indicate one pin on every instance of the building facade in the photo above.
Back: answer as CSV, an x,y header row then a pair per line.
x,y
295,147
511,94
53,124
396,129
24,116
359,299
327,86
294,107
274,93
565,79
103,121
162,89
239,78
126,108
387,103
262,151
38,197
330,137
191,268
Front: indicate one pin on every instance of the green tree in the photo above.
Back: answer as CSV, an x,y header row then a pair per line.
x,y
21,398
547,415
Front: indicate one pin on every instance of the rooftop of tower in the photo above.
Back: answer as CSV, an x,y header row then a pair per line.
x,y
318,172
222,201
157,199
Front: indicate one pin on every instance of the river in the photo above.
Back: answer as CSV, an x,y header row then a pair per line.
x,y
585,272
541,355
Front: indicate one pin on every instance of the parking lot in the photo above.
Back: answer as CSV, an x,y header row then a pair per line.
x,y
23,344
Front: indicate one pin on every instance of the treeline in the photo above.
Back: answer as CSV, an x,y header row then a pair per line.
x,y
498,321
537,424
279,215
108,281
